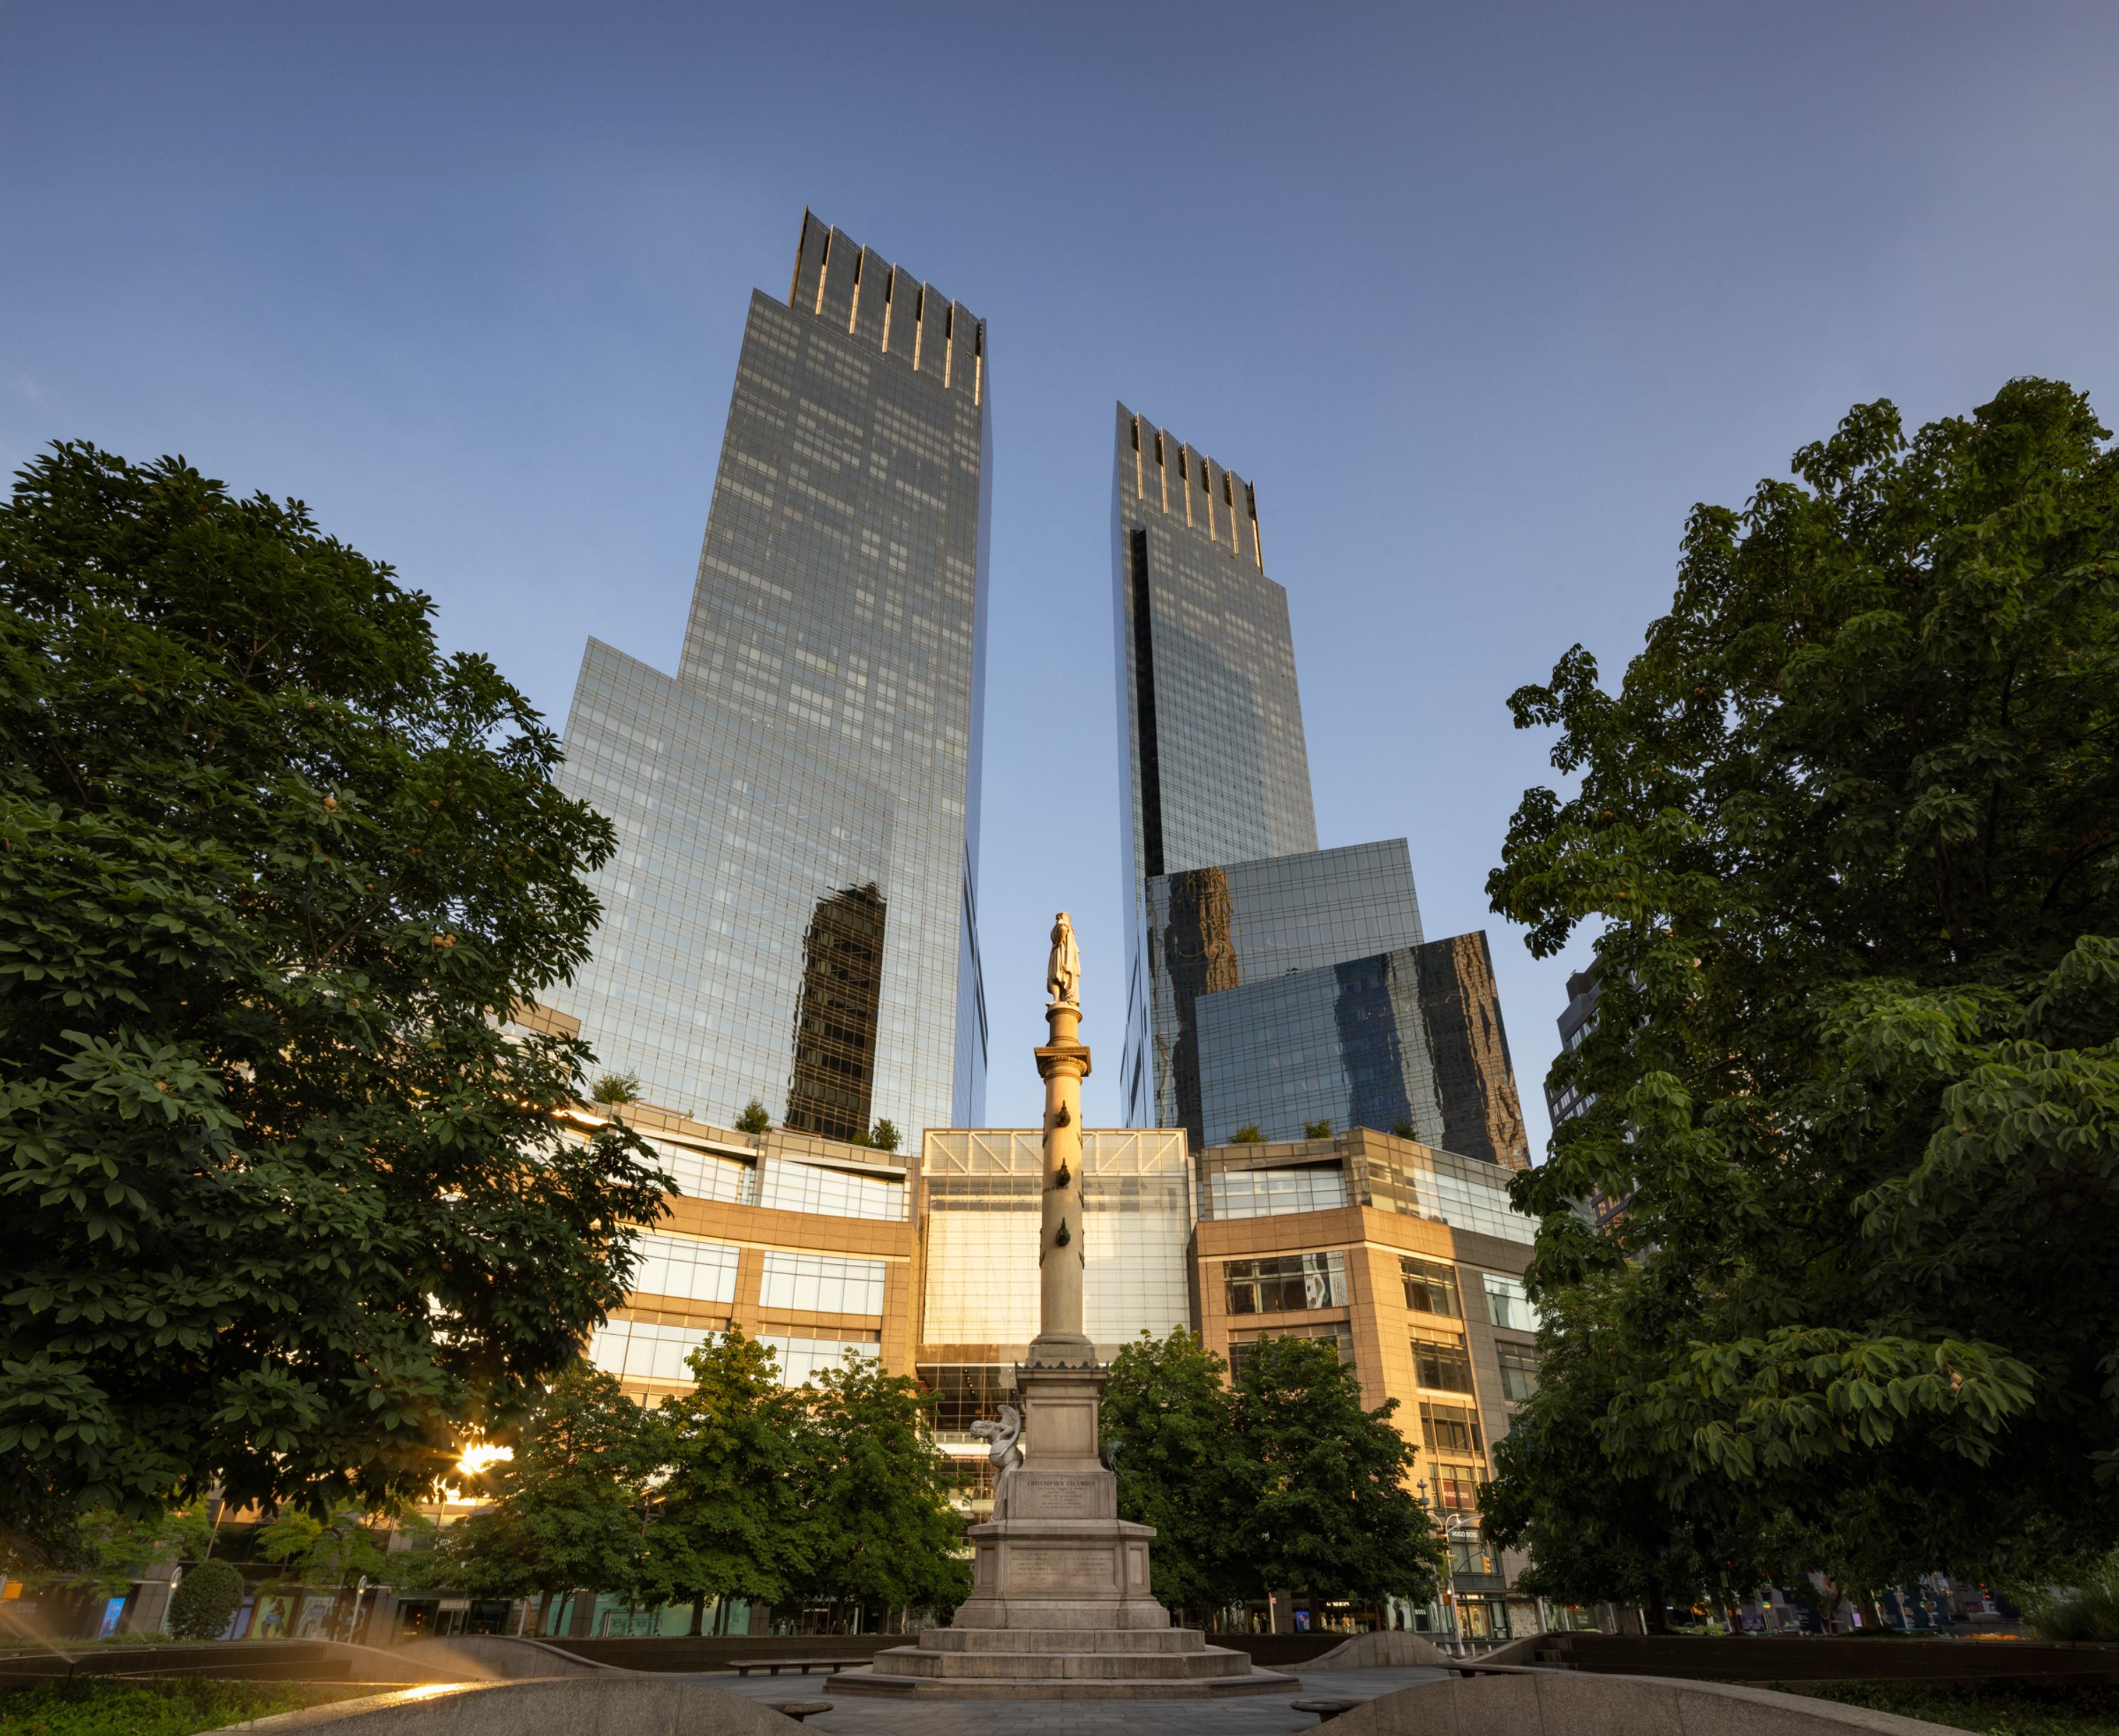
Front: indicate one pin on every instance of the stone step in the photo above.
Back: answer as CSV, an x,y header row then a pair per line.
x,y
1051,1687
1063,1639
1021,1666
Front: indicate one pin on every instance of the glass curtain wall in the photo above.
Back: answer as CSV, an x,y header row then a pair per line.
x,y
790,917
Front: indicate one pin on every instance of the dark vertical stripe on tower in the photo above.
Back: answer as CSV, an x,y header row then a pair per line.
x,y
1143,686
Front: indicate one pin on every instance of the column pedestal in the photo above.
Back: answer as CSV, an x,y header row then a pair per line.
x,y
1060,1605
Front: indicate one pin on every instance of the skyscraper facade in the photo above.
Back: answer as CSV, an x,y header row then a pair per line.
x,y
1210,714
1269,983
791,917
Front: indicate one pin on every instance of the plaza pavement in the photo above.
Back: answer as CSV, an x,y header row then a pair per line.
x,y
1250,1715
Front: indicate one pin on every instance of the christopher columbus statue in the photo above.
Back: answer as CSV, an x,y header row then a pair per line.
x,y
1063,972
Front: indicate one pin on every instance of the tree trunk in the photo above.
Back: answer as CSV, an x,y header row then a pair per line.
x,y
698,1614
584,1618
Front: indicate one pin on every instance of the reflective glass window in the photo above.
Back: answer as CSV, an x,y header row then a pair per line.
x,y
687,1266
1431,1286
1507,1304
1518,1374
1286,1283
821,1283
1439,1362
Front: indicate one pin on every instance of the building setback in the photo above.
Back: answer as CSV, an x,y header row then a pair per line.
x,y
790,916
1408,1041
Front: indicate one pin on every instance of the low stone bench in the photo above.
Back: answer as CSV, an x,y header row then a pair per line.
x,y
800,1710
744,1666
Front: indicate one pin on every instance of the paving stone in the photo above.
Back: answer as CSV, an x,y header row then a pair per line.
x,y
1264,1714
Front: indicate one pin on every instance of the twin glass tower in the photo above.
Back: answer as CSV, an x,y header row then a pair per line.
x,y
791,916
1271,985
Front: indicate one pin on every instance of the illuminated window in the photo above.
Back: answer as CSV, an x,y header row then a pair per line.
x,y
1431,1286
1285,1284
1439,1362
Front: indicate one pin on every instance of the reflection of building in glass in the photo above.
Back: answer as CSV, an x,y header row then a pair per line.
x,y
1407,1041
1475,1085
1585,989
815,758
1208,710
1211,930
835,1015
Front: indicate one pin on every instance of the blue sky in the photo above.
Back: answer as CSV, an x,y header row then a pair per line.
x,y
1484,298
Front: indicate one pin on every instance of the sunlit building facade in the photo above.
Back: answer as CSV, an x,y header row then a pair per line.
x,y
977,1202
1410,1260
790,916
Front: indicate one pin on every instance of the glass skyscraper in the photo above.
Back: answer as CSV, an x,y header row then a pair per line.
x,y
1268,981
1210,714
791,917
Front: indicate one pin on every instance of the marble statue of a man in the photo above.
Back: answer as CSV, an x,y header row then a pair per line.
x,y
1063,971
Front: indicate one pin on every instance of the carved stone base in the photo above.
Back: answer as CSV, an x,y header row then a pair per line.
x,y
1061,1606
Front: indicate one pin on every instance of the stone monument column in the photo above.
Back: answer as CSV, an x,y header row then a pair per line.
x,y
1062,1257
1061,1606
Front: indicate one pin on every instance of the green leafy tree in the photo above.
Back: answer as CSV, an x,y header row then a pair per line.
x,y
885,1135
615,1088
565,1506
1281,1480
756,1118
735,1519
285,1205
1333,1512
884,1534
1845,838
1168,1432
1247,1134
321,1552
1598,1531
205,1601
1316,1130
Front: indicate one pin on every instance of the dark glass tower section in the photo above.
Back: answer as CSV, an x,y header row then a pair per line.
x,y
1211,930
1408,1041
1209,713
792,916
835,1019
